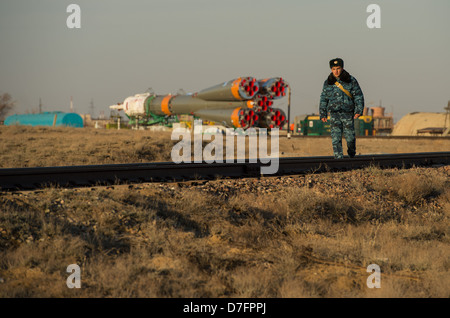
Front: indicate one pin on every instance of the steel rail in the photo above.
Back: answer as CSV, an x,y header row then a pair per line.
x,y
384,137
91,175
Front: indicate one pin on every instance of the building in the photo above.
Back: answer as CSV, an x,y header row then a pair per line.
x,y
383,124
53,119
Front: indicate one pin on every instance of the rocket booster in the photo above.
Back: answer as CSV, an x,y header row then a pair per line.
x,y
240,103
274,87
241,88
238,117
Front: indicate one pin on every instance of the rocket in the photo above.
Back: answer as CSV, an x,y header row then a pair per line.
x,y
243,102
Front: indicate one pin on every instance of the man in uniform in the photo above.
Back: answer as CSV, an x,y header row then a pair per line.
x,y
343,98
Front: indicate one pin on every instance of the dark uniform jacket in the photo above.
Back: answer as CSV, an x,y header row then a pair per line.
x,y
333,99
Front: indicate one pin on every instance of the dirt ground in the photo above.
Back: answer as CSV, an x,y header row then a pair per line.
x,y
42,146
311,146
311,235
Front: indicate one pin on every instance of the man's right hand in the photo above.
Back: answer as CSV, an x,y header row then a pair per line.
x,y
324,120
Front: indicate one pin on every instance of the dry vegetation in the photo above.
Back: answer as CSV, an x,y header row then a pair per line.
x,y
301,236
48,146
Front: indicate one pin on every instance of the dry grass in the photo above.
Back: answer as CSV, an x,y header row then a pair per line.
x,y
300,236
22,146
165,240
48,146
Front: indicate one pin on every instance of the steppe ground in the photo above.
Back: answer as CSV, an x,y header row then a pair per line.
x,y
310,235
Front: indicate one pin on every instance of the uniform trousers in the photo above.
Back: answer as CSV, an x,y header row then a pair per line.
x,y
342,124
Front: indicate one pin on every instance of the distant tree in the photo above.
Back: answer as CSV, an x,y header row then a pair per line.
x,y
6,104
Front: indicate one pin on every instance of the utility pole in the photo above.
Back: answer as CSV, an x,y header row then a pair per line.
x,y
92,108
71,104
289,113
40,105
447,114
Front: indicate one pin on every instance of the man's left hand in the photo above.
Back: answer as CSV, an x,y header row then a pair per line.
x,y
356,116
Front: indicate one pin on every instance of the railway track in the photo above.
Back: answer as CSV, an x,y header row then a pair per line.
x,y
381,137
12,179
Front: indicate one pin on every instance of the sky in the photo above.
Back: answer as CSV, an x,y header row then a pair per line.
x,y
126,47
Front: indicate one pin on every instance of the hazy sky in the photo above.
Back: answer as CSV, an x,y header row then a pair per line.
x,y
126,47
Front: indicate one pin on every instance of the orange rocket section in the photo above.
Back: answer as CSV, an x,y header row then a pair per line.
x,y
165,105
